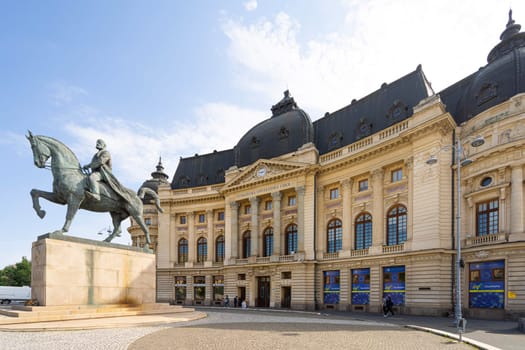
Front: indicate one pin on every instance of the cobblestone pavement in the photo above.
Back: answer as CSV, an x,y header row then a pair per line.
x,y
239,330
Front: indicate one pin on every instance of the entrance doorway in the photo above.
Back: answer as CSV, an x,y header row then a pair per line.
x,y
263,291
241,293
286,297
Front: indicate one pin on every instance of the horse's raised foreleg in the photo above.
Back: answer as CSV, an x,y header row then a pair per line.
x,y
117,218
50,196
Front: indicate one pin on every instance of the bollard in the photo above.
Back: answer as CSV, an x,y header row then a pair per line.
x,y
462,326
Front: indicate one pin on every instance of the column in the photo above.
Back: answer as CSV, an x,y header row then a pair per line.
x,y
276,204
409,166
211,236
321,223
254,203
378,225
346,189
191,237
300,218
516,200
232,234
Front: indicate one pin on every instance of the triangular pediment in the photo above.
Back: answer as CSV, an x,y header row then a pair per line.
x,y
264,170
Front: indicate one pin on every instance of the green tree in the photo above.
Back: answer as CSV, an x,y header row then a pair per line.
x,y
17,275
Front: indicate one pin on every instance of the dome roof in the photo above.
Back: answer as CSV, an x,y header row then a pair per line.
x,y
502,78
158,177
288,129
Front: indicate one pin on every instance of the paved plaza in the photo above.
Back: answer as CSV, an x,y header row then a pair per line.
x,y
262,329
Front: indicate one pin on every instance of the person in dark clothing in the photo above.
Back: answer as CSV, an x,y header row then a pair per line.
x,y
387,306
235,301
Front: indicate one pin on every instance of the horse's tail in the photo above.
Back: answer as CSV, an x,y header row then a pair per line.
x,y
145,190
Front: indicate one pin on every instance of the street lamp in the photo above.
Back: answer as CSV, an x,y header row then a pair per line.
x,y
476,142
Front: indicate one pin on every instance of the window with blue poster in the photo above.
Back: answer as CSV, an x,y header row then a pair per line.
x,y
394,284
331,287
361,286
487,285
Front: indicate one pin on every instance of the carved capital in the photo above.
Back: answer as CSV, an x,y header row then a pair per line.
x,y
346,184
378,174
234,205
300,190
276,196
254,201
409,162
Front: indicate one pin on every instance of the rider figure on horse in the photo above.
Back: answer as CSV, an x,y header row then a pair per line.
x,y
100,164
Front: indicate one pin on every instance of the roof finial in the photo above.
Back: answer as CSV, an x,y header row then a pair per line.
x,y
511,29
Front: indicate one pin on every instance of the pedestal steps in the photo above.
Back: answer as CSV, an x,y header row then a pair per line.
x,y
27,314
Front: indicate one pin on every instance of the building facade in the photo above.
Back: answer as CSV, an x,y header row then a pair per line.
x,y
340,212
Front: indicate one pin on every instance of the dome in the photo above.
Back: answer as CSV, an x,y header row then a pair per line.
x,y
288,129
502,78
158,177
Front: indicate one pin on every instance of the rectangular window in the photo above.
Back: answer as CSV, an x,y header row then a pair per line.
x,y
487,285
487,217
247,209
241,276
202,218
397,175
220,216
394,284
361,286
331,287
292,201
334,193
147,221
268,205
182,220
363,185
286,275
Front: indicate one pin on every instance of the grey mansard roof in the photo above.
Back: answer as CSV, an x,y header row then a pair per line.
x,y
502,78
390,104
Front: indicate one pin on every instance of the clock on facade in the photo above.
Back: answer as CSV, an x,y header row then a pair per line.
x,y
261,172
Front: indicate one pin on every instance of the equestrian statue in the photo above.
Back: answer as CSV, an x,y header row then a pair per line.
x,y
92,187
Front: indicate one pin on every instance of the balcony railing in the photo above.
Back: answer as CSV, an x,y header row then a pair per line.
x,y
329,256
487,239
262,260
397,248
286,258
359,252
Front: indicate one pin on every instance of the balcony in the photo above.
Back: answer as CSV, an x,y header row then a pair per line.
x,y
359,252
389,249
330,256
495,238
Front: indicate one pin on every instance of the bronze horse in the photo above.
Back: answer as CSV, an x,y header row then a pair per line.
x,y
70,184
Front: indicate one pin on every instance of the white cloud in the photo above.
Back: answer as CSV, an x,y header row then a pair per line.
x,y
135,148
250,5
63,93
379,41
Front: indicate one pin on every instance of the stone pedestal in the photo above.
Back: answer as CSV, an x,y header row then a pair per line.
x,y
75,271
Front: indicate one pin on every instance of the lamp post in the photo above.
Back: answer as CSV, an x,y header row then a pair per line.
x,y
478,141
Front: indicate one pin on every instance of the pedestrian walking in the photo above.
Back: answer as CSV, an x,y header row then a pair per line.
x,y
387,306
226,302
235,301
244,305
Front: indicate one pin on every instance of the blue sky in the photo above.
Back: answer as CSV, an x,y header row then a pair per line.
x,y
175,78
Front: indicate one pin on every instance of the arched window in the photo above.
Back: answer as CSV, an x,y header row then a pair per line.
x,y
268,242
363,231
334,236
183,251
396,226
246,244
219,249
291,239
202,249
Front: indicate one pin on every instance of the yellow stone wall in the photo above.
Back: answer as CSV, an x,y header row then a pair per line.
x,y
427,191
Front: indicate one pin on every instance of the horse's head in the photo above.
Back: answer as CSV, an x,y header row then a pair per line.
x,y
41,152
